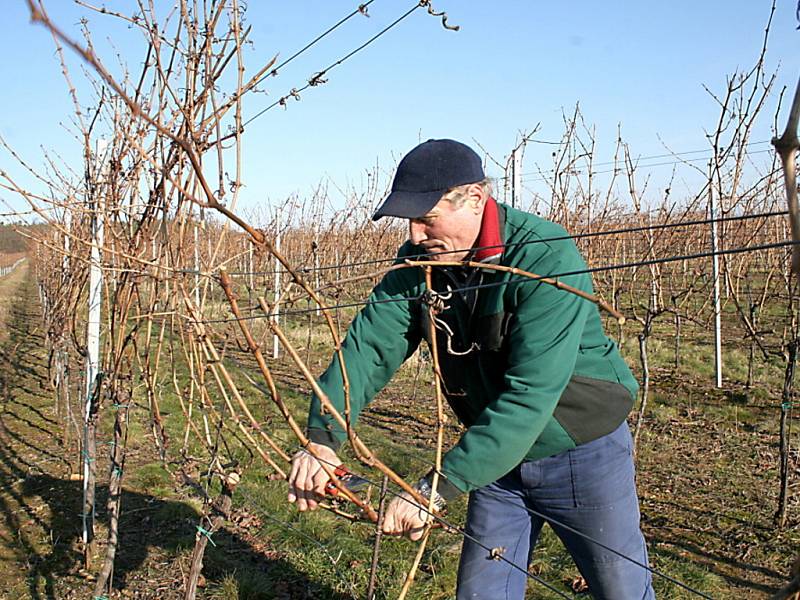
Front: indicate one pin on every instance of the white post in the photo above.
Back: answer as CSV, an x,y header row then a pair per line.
x,y
506,184
516,178
316,270
196,267
275,308
65,260
715,275
93,325
251,274
654,300
316,265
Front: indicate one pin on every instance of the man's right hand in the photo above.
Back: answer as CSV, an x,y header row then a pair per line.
x,y
307,478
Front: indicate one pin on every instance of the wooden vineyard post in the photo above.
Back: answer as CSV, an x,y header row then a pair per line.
x,y
786,411
216,514
787,146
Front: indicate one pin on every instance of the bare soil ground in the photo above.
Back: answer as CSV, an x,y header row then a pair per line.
x,y
40,521
707,477
709,487
38,503
708,482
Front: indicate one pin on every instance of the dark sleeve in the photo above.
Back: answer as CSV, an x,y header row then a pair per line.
x,y
380,338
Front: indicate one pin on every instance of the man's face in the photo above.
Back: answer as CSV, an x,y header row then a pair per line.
x,y
448,228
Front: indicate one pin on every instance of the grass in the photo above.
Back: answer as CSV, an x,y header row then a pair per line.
x,y
321,561
336,563
707,479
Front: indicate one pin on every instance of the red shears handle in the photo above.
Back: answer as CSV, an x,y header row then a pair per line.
x,y
330,487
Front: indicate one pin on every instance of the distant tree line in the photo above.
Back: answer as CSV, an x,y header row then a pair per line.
x,y
11,240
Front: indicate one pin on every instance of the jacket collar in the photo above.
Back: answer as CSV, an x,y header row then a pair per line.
x,y
490,244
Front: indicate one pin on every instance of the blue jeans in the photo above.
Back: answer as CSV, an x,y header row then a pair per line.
x,y
590,488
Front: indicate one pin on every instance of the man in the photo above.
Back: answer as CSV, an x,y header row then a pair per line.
x,y
527,369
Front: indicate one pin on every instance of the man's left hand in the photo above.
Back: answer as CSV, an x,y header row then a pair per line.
x,y
404,516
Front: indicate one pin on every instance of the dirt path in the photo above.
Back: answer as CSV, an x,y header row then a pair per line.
x,y
38,504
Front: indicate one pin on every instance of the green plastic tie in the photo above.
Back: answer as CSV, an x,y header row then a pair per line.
x,y
101,598
88,458
116,406
117,471
787,405
206,533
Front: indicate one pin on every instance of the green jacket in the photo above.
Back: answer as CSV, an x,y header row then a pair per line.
x,y
526,367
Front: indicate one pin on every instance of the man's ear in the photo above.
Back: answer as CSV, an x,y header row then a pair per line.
x,y
476,198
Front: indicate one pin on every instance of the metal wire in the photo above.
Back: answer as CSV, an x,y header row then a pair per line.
x,y
427,462
361,9
576,236
316,79
645,166
526,176
531,511
463,533
434,516
520,280
550,520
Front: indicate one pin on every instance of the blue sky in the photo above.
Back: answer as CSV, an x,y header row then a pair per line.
x,y
513,64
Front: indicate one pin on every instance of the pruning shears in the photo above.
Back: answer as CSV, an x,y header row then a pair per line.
x,y
353,483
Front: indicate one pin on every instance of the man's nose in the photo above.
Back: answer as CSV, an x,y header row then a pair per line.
x,y
416,232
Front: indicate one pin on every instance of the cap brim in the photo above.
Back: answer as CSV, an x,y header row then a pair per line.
x,y
408,205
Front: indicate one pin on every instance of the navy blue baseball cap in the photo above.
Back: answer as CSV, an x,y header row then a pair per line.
x,y
425,174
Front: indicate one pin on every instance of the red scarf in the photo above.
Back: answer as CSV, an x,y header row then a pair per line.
x,y
490,242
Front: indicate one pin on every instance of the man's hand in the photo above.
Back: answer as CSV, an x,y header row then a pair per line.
x,y
307,478
405,517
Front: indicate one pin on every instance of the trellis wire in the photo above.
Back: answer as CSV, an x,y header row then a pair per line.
x,y
576,236
427,462
449,525
521,280
317,78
